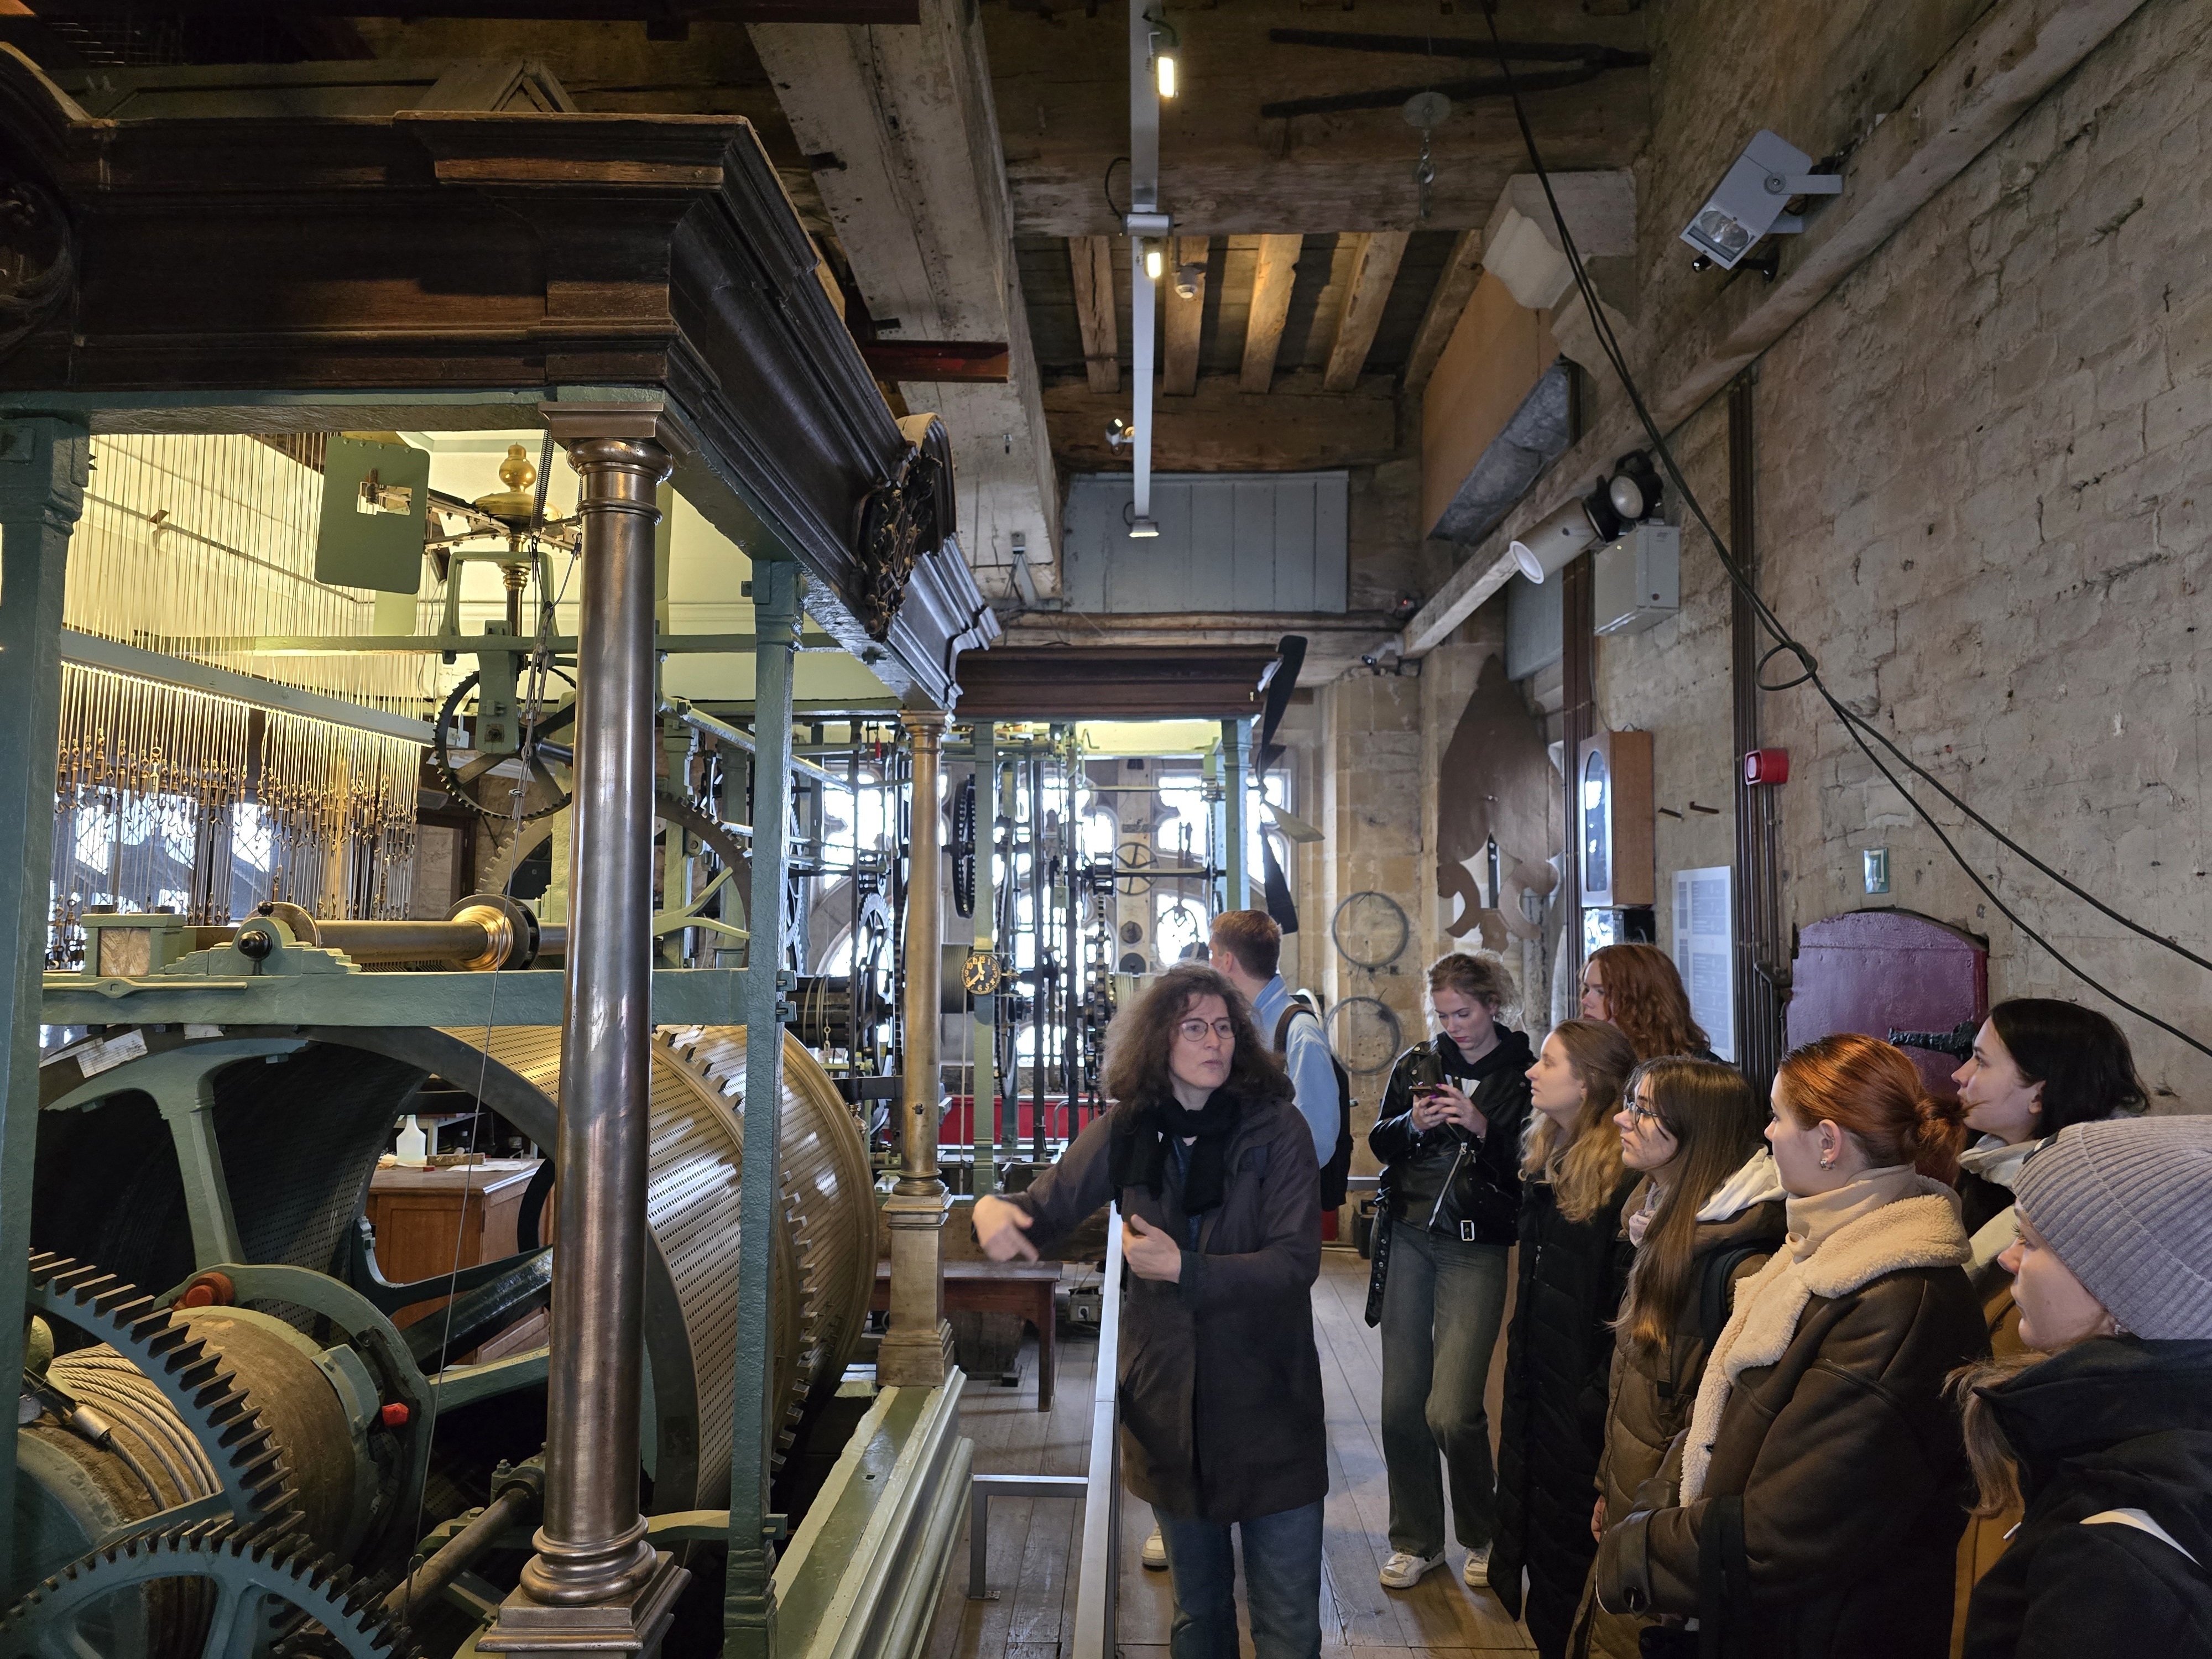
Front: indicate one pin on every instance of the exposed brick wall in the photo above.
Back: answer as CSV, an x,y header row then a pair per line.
x,y
1984,494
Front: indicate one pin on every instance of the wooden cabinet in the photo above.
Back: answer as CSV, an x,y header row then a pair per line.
x,y
420,1216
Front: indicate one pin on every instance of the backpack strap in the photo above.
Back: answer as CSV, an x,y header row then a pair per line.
x,y
1715,1303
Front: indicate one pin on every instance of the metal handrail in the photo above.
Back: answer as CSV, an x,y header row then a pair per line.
x,y
1098,1579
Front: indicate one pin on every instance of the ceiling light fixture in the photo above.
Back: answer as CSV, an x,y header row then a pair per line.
x,y
1154,263
1163,59
1188,278
1144,529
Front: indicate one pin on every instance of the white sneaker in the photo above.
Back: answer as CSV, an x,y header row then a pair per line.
x,y
1403,1571
1155,1554
1477,1572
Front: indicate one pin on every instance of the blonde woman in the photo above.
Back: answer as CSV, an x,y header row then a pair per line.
x,y
1709,1212
1573,1267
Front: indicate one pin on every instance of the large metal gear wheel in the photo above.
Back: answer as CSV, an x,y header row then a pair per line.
x,y
460,782
262,1583
205,1394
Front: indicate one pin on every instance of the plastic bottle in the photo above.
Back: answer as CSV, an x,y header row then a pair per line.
x,y
414,1151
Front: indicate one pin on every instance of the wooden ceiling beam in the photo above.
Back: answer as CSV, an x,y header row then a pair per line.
x,y
1185,317
1090,260
1272,279
1455,288
1374,268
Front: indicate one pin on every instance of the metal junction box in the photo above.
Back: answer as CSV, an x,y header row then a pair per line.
x,y
1639,579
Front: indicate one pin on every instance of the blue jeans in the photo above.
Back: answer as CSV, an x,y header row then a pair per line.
x,y
1282,1585
1442,1301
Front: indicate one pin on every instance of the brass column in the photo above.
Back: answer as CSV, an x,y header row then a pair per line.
x,y
917,1350
595,1582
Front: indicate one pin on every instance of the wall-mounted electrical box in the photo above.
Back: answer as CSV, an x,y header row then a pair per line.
x,y
1638,579
1613,814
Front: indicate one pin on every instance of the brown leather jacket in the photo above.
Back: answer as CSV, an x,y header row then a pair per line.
x,y
1221,1409
1836,1491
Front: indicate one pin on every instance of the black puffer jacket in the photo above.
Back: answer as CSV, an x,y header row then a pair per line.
x,y
1482,1193
1559,1356
2115,1422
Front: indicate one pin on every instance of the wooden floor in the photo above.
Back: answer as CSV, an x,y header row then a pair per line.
x,y
1033,1543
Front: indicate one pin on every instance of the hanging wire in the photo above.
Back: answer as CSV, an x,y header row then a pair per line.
x,y
1859,727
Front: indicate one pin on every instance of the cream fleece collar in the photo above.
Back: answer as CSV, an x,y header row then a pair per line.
x,y
1919,1228
1812,1218
1757,1181
1991,1159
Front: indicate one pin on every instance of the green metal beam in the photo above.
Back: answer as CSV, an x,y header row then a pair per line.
x,y
43,470
681,996
90,651
749,1599
424,645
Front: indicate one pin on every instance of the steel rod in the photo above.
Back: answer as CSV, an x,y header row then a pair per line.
x,y
512,1507
592,1546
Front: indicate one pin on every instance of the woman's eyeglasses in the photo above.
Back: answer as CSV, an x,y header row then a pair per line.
x,y
1197,1030
1644,1117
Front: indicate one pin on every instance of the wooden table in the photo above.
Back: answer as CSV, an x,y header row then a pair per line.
x,y
1017,1287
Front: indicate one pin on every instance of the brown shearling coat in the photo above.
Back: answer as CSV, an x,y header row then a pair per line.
x,y
1842,1456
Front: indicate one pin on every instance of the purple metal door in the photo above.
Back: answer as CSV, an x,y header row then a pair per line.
x,y
1877,971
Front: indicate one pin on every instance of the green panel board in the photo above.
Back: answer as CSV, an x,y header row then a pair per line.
x,y
375,499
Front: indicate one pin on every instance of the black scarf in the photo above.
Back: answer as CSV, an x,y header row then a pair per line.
x,y
1138,1155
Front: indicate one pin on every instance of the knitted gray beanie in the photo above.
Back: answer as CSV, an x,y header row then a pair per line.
x,y
2126,1203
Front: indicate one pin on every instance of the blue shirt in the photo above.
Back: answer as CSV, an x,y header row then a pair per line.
x,y
1305,1057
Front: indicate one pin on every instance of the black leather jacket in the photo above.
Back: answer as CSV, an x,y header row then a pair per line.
x,y
1481,1202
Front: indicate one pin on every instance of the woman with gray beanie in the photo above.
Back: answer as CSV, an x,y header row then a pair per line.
x,y
2105,1428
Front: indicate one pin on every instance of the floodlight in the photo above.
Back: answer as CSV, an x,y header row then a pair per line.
x,y
1548,546
1748,203
1144,529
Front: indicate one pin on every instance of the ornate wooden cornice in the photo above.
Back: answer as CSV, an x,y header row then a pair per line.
x,y
437,269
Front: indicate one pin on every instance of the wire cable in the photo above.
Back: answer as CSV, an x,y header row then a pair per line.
x,y
1857,726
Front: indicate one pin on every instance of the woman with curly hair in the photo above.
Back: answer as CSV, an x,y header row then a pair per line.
x,y
1221,1417
1636,988
1573,1267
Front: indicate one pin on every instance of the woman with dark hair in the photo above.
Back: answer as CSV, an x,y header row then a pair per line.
x,y
2038,1064
2105,1420
1573,1267
1636,988
1811,1506
1221,1416
1446,1210
1709,1212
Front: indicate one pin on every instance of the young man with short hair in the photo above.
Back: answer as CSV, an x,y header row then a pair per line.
x,y
1247,948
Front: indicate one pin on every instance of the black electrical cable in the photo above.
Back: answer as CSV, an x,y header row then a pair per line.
x,y
1857,726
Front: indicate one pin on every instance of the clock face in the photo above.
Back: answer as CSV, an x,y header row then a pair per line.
x,y
1597,861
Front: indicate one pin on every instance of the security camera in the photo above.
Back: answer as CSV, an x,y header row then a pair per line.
x,y
1748,203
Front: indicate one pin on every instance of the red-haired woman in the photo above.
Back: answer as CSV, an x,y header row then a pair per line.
x,y
1812,1507
1573,1267
1635,987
